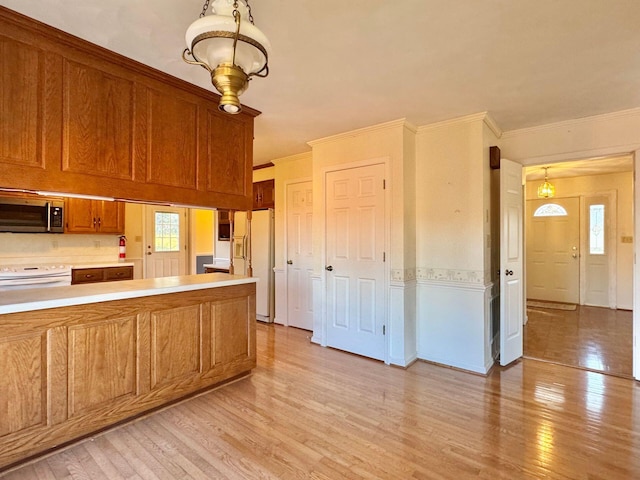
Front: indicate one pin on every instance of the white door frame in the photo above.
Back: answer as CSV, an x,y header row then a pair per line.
x,y
321,219
612,152
612,198
285,297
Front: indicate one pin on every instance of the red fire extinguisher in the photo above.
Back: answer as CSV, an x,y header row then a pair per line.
x,y
122,248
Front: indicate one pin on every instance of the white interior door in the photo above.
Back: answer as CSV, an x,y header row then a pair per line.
x,y
597,253
299,255
553,249
166,252
511,253
355,260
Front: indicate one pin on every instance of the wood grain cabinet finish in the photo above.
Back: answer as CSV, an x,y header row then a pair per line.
x,y
264,194
94,216
103,274
70,371
79,118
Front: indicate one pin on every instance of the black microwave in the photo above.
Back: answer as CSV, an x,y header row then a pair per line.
x,y
31,215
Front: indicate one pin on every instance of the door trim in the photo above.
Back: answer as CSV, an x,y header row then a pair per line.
x,y
322,228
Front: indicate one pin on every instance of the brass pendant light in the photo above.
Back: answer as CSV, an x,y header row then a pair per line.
x,y
546,190
230,47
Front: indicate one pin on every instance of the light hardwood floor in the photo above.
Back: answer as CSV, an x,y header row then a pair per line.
x,y
595,338
312,412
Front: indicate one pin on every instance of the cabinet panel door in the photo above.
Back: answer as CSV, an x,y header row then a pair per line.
x,y
231,330
264,194
111,215
172,139
227,155
101,363
81,217
98,122
21,103
22,383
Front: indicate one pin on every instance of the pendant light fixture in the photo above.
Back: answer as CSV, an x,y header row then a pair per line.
x,y
230,47
546,190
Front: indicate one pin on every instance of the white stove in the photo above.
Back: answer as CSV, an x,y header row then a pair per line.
x,y
14,277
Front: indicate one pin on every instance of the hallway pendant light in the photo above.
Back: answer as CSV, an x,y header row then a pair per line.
x,y
546,190
230,47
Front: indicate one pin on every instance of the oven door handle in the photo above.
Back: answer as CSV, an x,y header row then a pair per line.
x,y
64,280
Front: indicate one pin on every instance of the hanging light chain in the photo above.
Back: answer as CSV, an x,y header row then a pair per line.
x,y
204,8
249,9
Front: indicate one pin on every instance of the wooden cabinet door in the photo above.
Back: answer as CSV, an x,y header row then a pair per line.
x,y
111,217
21,98
264,194
97,132
93,216
81,216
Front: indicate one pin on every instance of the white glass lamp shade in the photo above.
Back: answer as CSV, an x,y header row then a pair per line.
x,y
217,50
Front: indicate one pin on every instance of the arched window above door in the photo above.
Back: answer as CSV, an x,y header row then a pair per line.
x,y
550,210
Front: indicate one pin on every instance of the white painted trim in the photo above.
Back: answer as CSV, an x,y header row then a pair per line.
x,y
293,158
636,266
474,117
456,285
401,122
632,112
580,154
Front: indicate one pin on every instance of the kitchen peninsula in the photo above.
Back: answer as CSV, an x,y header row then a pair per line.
x,y
81,358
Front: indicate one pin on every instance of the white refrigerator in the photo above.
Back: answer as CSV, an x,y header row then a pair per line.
x,y
262,258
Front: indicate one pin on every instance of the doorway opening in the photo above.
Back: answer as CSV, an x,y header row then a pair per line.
x,y
579,267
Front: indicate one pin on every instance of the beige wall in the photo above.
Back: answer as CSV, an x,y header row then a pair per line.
x,y
622,183
450,196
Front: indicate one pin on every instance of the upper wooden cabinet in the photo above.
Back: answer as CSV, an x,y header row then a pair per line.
x,y
93,216
78,118
264,194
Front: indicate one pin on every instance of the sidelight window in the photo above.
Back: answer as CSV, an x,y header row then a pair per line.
x,y
596,230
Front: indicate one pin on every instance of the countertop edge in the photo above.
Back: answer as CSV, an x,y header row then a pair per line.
x,y
44,298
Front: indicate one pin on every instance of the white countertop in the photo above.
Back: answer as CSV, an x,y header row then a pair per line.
x,y
41,298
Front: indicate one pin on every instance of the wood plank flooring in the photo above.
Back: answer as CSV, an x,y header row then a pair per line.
x,y
595,338
313,412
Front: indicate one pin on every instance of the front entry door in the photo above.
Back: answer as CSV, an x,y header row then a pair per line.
x,y
553,242
511,253
166,253
299,255
355,258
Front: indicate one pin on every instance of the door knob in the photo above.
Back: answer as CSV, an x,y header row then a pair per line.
x,y
508,272
329,268
289,262
574,255
148,253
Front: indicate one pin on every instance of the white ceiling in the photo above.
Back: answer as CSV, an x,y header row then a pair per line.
x,y
579,168
337,66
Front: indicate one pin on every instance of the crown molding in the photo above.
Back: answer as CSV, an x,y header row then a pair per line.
x,y
474,117
293,158
402,122
632,112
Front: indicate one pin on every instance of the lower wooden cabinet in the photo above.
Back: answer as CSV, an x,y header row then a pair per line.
x,y
106,274
70,371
